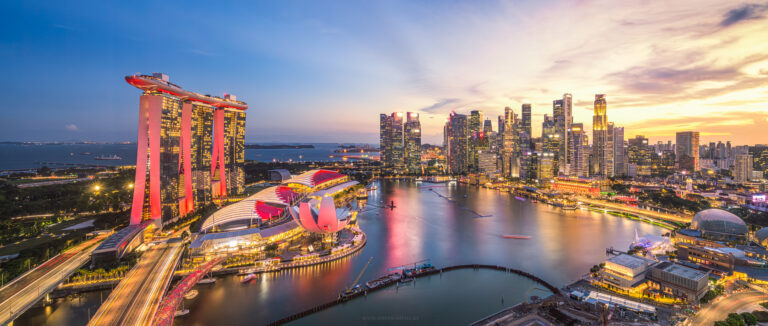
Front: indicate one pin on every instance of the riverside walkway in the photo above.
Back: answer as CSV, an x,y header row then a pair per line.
x,y
340,300
641,212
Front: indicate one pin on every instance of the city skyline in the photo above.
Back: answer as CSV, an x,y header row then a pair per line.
x,y
664,67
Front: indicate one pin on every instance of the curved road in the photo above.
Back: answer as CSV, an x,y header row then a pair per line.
x,y
720,309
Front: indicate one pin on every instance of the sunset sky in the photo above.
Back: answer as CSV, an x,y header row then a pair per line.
x,y
315,71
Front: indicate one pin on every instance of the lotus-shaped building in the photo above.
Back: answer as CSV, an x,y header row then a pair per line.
x,y
320,216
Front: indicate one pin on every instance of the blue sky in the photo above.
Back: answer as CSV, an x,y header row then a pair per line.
x,y
323,70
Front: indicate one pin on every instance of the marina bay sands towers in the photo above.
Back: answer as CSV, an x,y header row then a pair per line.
x,y
190,151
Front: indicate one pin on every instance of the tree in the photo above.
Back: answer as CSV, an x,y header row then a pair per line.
x,y
749,318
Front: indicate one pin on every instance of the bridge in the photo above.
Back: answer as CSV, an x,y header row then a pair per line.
x,y
638,211
135,300
167,309
26,290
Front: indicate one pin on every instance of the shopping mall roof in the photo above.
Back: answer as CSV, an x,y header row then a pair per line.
x,y
335,189
263,233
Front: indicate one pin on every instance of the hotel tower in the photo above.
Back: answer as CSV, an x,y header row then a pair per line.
x,y
190,149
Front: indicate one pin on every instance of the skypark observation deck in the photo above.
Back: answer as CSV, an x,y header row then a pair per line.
x,y
160,83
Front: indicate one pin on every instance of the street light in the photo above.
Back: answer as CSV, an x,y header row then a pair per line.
x,y
130,186
96,187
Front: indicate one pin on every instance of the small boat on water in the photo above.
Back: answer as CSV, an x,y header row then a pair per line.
x,y
534,201
191,294
208,280
248,278
514,236
406,280
519,198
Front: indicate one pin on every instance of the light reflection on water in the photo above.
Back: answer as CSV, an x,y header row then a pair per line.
x,y
564,245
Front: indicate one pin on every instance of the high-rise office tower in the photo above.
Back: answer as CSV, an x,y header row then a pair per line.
x,y
579,146
619,154
190,149
384,144
639,154
488,126
475,129
508,143
609,151
458,137
599,136
412,143
392,152
550,141
687,151
742,167
525,121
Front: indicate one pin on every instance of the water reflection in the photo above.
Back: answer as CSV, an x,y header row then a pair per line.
x,y
441,224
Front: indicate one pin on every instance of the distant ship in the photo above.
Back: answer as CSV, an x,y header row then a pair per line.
x,y
108,158
514,236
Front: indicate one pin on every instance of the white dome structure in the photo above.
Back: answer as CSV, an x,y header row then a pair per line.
x,y
719,222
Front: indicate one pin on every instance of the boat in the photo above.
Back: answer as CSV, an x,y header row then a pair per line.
x,y
514,236
406,280
519,198
569,208
180,313
248,278
191,294
113,157
372,187
534,201
208,280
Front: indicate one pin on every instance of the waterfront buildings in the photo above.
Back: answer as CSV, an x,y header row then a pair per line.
x,y
687,151
457,129
579,151
625,271
599,136
412,140
562,114
190,149
639,155
678,281
391,145
400,142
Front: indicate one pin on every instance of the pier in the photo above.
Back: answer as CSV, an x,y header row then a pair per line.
x,y
436,271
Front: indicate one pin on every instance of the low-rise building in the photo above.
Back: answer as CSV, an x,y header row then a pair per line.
x,y
625,271
678,281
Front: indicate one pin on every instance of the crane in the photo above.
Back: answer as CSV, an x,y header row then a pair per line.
x,y
351,287
408,265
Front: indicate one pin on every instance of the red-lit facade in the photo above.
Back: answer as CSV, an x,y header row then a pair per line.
x,y
186,148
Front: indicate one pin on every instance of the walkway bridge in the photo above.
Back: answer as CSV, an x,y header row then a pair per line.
x,y
167,309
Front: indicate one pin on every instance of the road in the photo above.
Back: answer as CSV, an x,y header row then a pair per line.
x,y
135,299
638,211
720,309
27,289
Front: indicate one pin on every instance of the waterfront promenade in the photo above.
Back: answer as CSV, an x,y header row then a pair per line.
x,y
27,289
641,212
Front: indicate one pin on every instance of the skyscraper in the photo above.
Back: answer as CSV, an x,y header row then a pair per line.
x,y
458,137
525,120
687,151
639,154
412,143
475,137
599,136
619,153
579,145
391,140
190,149
742,167
508,143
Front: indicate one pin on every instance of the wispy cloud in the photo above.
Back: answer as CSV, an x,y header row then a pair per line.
x,y
71,127
745,12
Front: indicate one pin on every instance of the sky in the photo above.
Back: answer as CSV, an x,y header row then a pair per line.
x,y
322,71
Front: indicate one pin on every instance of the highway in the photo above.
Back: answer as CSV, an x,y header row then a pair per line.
x,y
638,211
720,309
27,289
135,300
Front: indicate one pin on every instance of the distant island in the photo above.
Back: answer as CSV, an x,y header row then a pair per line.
x,y
281,146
